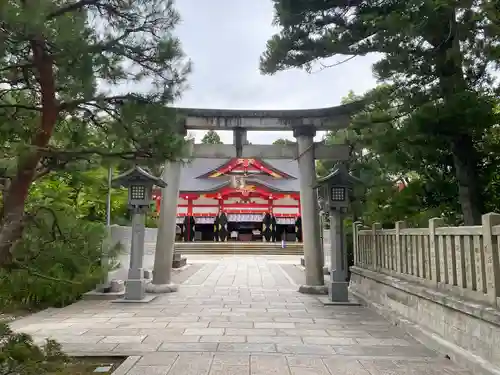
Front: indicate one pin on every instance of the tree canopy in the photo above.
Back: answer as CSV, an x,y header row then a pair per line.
x,y
79,81
437,60
211,137
283,141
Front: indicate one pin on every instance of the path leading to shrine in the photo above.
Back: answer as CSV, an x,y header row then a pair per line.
x,y
238,315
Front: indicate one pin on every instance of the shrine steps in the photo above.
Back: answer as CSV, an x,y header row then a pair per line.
x,y
249,248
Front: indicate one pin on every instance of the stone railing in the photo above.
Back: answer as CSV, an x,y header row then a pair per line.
x,y
440,283
462,260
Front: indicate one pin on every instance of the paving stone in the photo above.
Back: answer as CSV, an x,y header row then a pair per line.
x,y
144,325
223,339
384,342
72,339
111,332
265,365
274,340
137,348
343,366
135,319
205,331
351,334
231,359
309,371
188,325
169,319
384,351
302,332
166,332
188,347
250,332
381,365
304,361
231,324
71,348
174,338
329,340
230,347
158,359
194,364
286,319
122,339
229,370
274,325
305,349
215,319
149,370
111,314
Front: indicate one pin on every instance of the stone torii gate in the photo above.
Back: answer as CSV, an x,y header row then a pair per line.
x,y
304,124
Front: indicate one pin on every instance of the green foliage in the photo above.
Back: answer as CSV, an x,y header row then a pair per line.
x,y
382,157
96,43
211,137
20,355
282,141
437,60
58,257
82,83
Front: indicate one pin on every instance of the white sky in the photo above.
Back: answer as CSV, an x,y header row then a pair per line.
x,y
225,38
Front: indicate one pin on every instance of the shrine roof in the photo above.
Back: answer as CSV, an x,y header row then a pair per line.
x,y
191,171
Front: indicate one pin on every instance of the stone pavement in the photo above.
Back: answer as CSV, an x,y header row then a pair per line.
x,y
238,315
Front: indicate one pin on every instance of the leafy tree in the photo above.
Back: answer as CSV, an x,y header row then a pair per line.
x,y
79,80
211,137
58,257
282,141
437,59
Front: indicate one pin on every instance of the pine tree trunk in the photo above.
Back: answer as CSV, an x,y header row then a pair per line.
x,y
10,233
465,162
13,211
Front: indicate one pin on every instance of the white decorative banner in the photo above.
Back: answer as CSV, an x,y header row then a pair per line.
x,y
204,220
244,217
285,220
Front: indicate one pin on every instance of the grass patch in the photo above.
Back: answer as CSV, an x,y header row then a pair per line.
x,y
87,366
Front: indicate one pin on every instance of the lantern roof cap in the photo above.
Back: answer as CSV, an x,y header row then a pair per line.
x,y
137,175
339,175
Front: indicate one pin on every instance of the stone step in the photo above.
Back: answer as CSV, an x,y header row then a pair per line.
x,y
253,248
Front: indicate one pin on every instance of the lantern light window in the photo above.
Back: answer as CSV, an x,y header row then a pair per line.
x,y
137,192
338,194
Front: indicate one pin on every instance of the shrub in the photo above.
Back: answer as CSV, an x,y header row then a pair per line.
x,y
20,355
57,260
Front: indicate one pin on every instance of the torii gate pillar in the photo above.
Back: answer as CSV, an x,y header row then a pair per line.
x,y
309,209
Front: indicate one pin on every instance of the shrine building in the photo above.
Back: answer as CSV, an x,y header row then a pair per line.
x,y
238,200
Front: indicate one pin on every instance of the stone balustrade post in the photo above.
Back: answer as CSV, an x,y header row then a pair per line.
x,y
375,245
399,246
491,261
355,244
435,256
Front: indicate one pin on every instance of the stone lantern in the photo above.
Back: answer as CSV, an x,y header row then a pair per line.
x,y
335,190
140,188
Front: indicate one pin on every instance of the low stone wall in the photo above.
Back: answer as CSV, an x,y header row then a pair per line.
x,y
468,332
123,235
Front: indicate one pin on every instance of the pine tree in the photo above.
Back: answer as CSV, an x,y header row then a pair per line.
x,y
83,78
437,57
211,137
